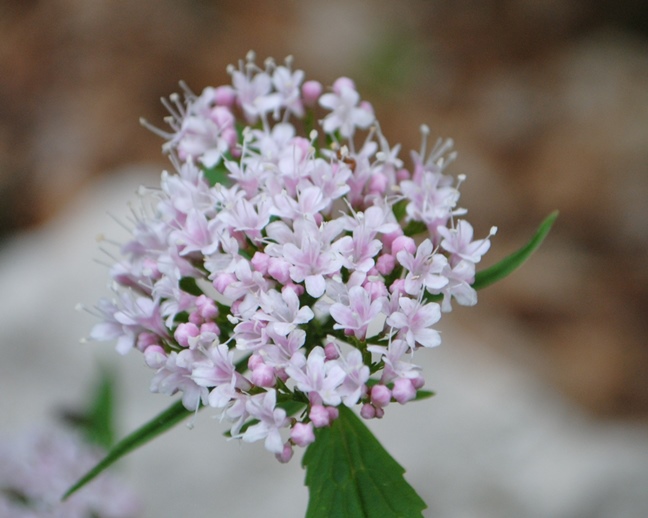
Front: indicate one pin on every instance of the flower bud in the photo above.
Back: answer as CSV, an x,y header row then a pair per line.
x,y
260,262
385,264
403,243
380,395
311,90
185,331
319,416
403,390
155,357
263,376
302,434
368,411
286,454
331,351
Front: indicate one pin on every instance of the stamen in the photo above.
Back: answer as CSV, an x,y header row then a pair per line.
x,y
153,129
425,132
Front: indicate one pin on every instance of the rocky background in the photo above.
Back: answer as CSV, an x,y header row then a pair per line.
x,y
547,102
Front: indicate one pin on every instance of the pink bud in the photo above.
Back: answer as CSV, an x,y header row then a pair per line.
x,y
366,106
385,264
342,83
144,340
402,174
224,95
331,351
368,411
319,416
403,390
376,289
388,239
378,183
209,327
298,289
254,361
333,413
418,382
222,281
302,434
311,90
379,412
380,395
397,287
230,136
155,357
185,331
282,375
263,376
207,307
260,262
403,243
279,269
286,454
195,317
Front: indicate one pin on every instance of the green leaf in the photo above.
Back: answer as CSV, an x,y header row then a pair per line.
x,y
217,174
349,474
156,426
189,285
96,420
424,394
100,427
511,263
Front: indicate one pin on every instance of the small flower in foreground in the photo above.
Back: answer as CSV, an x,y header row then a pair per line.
x,y
308,276
37,468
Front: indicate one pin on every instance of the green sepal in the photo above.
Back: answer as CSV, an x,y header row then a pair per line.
x,y
156,426
350,474
511,263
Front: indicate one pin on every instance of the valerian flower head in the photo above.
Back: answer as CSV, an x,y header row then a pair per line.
x,y
287,269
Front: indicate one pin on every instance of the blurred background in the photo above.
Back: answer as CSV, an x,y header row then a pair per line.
x,y
547,102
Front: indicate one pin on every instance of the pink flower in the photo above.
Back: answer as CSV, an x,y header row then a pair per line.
x,y
358,313
312,260
345,114
459,243
317,377
424,269
282,311
302,434
271,420
414,320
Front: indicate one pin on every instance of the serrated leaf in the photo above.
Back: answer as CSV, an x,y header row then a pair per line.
x,y
349,474
156,426
511,263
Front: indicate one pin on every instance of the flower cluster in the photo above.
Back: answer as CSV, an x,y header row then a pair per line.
x,y
37,467
275,276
